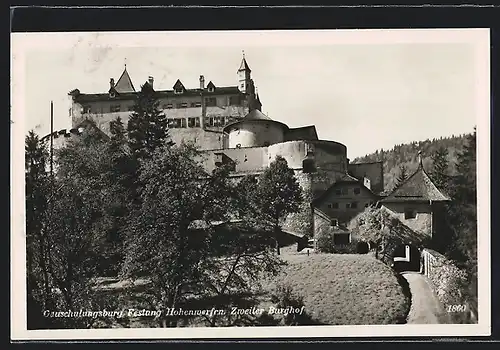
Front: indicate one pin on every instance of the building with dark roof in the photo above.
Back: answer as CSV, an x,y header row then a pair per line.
x,y
417,202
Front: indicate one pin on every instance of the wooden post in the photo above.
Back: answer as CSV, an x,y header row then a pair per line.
x,y
51,138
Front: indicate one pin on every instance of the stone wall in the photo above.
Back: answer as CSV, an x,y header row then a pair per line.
x,y
448,282
422,223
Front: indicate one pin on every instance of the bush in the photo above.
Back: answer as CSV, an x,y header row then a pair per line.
x,y
351,248
284,297
326,244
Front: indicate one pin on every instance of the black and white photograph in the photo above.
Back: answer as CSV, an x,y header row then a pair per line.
x,y
250,183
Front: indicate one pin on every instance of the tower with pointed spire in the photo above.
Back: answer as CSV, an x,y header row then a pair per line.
x,y
244,75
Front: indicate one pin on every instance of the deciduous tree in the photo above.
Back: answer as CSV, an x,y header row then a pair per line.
x,y
277,194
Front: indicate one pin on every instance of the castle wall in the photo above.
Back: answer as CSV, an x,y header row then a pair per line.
x,y
422,223
255,134
373,171
246,160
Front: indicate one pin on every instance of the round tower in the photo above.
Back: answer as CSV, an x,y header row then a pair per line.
x,y
255,130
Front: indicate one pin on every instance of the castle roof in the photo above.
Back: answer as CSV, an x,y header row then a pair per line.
x,y
417,188
244,65
124,84
254,115
226,90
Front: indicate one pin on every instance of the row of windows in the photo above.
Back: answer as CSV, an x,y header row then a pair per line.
x,y
345,191
195,122
349,205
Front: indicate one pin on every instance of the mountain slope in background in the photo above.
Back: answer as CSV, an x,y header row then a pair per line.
x,y
407,154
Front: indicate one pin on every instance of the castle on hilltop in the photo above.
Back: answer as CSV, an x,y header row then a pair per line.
x,y
228,126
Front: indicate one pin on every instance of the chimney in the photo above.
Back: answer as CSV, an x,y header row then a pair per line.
x,y
151,80
202,82
420,159
111,83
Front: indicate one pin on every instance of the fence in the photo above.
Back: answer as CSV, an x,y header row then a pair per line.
x,y
448,283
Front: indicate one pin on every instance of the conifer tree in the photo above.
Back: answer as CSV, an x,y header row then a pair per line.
x,y
147,127
402,175
439,172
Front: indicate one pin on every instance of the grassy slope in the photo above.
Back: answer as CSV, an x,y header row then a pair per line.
x,y
345,289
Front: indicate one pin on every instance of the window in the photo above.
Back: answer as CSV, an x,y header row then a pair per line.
x,y
112,94
184,105
86,109
308,166
341,238
345,191
218,121
334,222
169,106
210,88
242,86
234,100
209,121
114,108
70,112
197,104
179,90
210,101
335,205
338,192
410,214
183,123
354,205
194,122
357,190
193,104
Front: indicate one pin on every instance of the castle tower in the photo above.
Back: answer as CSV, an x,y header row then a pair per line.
x,y
244,75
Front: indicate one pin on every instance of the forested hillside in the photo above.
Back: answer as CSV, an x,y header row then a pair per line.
x,y
406,156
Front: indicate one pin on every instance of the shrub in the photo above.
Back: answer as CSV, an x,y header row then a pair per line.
x,y
351,248
326,244
284,297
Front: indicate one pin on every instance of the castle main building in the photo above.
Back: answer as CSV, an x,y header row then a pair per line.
x,y
228,126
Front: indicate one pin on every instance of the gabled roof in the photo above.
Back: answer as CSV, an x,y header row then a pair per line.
x,y
178,85
124,84
343,179
418,187
211,85
244,65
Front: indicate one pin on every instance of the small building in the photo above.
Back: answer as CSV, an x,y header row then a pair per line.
x,y
333,210
417,203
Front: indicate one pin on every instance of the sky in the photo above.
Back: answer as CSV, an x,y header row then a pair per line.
x,y
365,89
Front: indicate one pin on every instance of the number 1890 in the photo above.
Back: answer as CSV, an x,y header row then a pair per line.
x,y
456,308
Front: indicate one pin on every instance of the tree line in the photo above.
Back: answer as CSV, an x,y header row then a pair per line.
x,y
402,160
134,206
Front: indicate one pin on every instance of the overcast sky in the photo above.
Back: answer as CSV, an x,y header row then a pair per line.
x,y
364,89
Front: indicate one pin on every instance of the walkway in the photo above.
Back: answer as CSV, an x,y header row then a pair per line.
x,y
425,307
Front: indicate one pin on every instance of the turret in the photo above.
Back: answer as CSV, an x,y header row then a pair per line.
x,y
244,75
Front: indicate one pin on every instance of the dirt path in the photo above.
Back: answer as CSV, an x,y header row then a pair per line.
x,y
425,307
